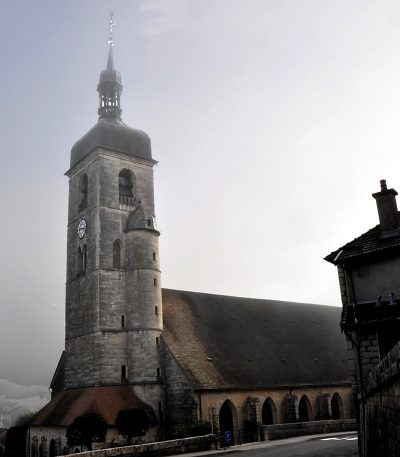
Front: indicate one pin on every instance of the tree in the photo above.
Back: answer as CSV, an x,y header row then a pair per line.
x,y
87,429
25,418
132,422
199,428
15,441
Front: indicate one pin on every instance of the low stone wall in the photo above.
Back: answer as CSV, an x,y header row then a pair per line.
x,y
280,431
160,448
380,434
385,372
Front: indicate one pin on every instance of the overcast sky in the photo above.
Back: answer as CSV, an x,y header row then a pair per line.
x,y
272,121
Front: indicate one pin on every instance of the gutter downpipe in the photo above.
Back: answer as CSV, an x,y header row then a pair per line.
x,y
200,407
29,441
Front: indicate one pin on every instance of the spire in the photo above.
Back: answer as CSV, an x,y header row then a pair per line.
x,y
109,87
110,60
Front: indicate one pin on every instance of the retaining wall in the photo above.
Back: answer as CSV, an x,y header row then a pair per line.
x,y
380,432
161,448
280,431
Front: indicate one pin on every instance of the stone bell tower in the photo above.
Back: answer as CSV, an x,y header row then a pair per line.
x,y
113,292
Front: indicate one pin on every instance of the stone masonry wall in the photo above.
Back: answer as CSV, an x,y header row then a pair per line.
x,y
382,406
113,313
369,350
281,431
180,404
40,440
184,404
161,448
278,397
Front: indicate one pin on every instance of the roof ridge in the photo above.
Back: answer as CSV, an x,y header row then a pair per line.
x,y
247,298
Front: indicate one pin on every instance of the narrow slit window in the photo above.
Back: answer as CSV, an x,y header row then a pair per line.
x,y
122,321
82,260
117,254
154,256
123,372
158,372
83,191
157,341
156,310
79,262
155,281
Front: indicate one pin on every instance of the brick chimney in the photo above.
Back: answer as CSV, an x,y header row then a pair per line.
x,y
387,210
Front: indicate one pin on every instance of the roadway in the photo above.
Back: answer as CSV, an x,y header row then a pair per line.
x,y
332,445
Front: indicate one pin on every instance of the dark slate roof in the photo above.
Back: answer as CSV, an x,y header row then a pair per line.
x,y
232,342
139,219
58,381
71,403
371,242
114,135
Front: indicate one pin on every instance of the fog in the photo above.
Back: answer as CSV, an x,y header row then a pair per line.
x,y
272,121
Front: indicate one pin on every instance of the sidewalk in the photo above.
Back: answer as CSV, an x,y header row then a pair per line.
x,y
263,444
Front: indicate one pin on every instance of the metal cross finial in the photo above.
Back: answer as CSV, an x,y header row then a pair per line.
x,y
112,23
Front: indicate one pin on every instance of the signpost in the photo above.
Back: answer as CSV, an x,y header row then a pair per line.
x,y
228,437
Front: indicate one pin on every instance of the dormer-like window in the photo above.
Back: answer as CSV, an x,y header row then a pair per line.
x,y
83,191
117,254
150,222
127,186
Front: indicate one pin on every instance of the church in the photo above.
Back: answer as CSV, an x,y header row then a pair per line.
x,y
183,357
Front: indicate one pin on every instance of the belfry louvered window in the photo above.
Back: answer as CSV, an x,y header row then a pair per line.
x,y
127,184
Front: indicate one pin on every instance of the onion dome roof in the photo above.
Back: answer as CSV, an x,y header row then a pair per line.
x,y
110,132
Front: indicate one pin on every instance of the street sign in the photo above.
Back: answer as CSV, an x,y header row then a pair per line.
x,y
228,437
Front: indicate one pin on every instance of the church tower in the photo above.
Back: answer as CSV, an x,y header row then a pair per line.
x,y
113,292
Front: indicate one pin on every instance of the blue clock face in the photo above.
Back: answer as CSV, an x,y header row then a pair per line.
x,y
82,228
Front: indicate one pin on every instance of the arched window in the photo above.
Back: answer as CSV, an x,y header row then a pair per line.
x,y
34,448
268,412
43,447
226,419
127,186
336,407
82,260
304,409
83,191
52,448
117,254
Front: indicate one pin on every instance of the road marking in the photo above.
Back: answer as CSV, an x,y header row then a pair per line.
x,y
351,438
